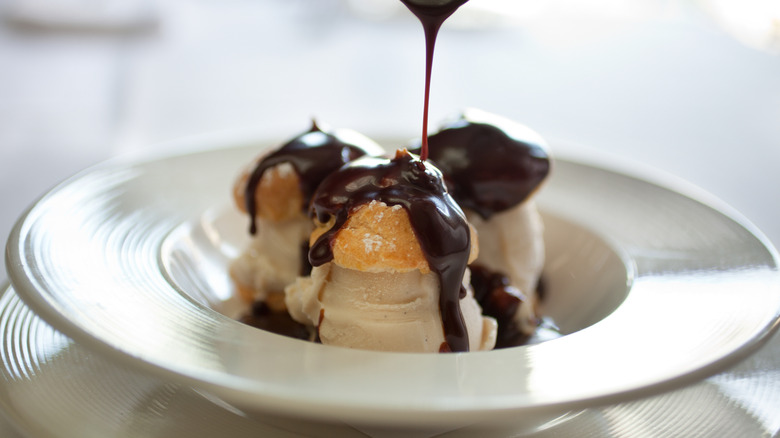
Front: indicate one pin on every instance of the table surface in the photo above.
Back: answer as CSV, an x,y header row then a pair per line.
x,y
675,85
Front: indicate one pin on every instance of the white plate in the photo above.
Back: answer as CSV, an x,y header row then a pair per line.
x,y
129,259
52,387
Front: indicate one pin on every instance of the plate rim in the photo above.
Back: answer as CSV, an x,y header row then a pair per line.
x,y
27,291
19,416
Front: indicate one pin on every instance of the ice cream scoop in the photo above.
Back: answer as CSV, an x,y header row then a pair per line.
x,y
511,244
378,292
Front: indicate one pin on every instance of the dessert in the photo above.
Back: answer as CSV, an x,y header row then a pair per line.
x,y
493,167
275,192
388,240
407,255
390,254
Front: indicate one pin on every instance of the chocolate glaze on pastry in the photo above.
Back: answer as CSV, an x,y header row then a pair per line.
x,y
314,155
490,164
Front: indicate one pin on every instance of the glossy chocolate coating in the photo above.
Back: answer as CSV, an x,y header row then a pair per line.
x,y
314,155
438,223
490,164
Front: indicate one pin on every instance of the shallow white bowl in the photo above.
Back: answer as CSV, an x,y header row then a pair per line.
x,y
652,289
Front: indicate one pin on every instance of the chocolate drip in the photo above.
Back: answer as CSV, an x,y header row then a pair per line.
x,y
313,155
499,299
431,17
437,221
490,164
305,264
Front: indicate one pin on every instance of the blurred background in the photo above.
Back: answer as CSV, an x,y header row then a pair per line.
x,y
689,87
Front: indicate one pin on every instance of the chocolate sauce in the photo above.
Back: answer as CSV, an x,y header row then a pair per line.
x,y
499,299
314,155
437,221
305,264
261,316
490,164
432,16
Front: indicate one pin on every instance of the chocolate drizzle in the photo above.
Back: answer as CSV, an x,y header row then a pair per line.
x,y
314,155
490,164
437,221
432,16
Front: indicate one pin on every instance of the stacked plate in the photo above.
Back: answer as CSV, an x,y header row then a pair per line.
x,y
121,321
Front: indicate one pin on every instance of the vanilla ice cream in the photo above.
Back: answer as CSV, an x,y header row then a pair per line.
x,y
511,242
386,311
